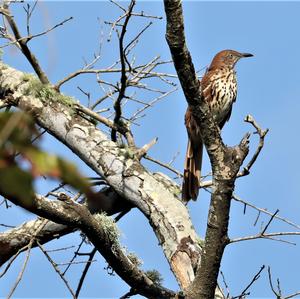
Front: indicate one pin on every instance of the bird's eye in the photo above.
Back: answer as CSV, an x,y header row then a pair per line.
x,y
230,55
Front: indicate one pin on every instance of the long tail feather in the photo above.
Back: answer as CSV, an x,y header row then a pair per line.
x,y
192,171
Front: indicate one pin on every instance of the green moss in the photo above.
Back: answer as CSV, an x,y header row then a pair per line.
x,y
109,226
45,93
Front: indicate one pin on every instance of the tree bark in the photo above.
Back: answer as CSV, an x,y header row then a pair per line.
x,y
152,194
225,161
13,240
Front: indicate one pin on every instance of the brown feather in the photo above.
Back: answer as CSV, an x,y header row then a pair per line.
x,y
193,159
219,89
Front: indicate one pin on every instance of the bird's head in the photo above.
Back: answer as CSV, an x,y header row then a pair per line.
x,y
227,58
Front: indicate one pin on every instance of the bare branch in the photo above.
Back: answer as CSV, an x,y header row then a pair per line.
x,y
268,224
266,236
278,293
23,45
29,246
142,151
76,253
167,166
12,245
26,39
150,104
254,279
13,259
91,256
265,211
85,271
225,284
20,275
84,71
57,270
123,80
246,170
262,133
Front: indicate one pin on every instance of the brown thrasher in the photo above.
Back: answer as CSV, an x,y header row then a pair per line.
x,y
219,89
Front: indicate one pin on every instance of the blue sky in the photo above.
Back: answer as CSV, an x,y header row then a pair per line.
x,y
269,89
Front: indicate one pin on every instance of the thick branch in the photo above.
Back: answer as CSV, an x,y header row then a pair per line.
x,y
13,240
77,216
225,161
124,173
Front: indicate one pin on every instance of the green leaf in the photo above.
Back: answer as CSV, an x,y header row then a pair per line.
x,y
14,182
56,167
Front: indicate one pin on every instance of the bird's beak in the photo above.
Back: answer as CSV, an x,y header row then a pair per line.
x,y
246,55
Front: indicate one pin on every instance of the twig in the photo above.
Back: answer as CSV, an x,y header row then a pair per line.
x,y
256,220
74,263
255,278
29,13
12,260
266,236
268,224
6,225
246,169
100,100
74,256
134,40
87,94
292,295
56,269
167,166
262,133
134,117
143,150
84,71
142,14
238,199
29,246
23,45
59,249
117,105
85,271
174,158
91,256
22,270
29,37
117,4
225,284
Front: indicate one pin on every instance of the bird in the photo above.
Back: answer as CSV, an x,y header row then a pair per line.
x,y
219,90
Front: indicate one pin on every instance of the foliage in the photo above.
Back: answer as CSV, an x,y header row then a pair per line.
x,y
21,161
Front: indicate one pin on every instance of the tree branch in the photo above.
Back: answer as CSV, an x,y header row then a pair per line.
x,y
77,216
225,161
11,243
23,45
124,173
123,81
